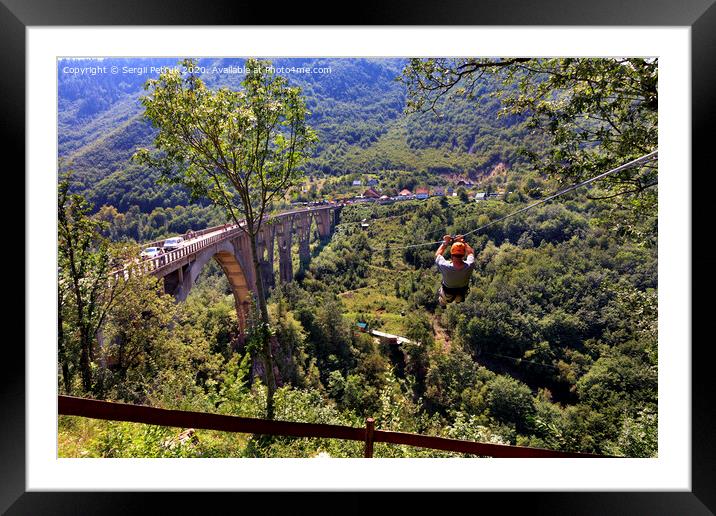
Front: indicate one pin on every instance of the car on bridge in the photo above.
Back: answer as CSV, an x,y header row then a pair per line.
x,y
151,252
171,244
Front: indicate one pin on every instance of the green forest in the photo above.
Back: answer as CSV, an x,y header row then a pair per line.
x,y
554,347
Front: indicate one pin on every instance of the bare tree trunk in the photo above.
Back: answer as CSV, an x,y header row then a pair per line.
x,y
62,352
265,336
85,367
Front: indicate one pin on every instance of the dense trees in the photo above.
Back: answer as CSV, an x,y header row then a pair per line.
x,y
241,149
540,353
85,292
555,345
598,113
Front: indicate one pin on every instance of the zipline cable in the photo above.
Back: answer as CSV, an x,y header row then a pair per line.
x,y
520,360
634,163
631,164
374,219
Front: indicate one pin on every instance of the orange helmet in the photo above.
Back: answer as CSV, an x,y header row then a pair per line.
x,y
458,249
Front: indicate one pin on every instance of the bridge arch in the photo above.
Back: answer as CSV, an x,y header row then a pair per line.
x,y
230,247
228,256
238,282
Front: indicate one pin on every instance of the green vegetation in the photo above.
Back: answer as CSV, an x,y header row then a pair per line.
x,y
356,111
555,345
598,113
240,149
540,353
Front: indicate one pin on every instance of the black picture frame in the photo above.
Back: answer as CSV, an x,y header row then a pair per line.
x,y
700,15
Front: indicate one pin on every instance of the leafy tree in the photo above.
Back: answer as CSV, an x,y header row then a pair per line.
x,y
448,376
639,435
291,337
386,255
136,338
85,292
510,401
462,195
418,328
599,112
241,149
615,379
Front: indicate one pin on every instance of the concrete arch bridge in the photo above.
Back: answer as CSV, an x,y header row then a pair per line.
x,y
231,248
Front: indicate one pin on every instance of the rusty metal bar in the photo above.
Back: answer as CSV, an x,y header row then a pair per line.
x,y
369,432
472,447
72,406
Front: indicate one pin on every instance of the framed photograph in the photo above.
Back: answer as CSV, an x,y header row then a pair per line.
x,y
41,39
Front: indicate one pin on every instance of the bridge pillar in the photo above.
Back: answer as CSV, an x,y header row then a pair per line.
x,y
336,218
323,221
178,283
284,235
266,254
242,312
303,227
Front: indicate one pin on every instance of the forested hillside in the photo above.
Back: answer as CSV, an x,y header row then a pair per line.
x,y
554,346
356,109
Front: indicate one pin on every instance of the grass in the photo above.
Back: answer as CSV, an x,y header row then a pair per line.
x,y
385,309
79,437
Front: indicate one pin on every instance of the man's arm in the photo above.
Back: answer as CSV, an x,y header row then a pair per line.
x,y
446,242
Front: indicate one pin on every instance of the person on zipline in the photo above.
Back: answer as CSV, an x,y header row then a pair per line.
x,y
456,272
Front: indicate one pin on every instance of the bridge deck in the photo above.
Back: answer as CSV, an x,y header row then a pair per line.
x,y
167,263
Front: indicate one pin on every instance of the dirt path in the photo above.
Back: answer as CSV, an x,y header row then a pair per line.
x,y
354,290
441,336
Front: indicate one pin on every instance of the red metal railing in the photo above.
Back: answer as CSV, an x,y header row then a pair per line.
x,y
96,409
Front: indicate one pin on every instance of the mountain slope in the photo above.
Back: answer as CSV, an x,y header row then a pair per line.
x,y
357,108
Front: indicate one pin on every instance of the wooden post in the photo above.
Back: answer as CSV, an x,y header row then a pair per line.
x,y
369,427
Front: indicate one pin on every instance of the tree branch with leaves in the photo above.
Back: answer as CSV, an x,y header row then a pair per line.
x,y
599,112
86,293
241,149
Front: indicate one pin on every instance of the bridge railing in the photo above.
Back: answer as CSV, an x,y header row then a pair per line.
x,y
157,263
201,232
224,231
71,406
187,235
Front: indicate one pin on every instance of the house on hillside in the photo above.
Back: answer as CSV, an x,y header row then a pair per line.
x,y
371,194
372,182
480,196
422,192
357,182
450,191
405,194
439,190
